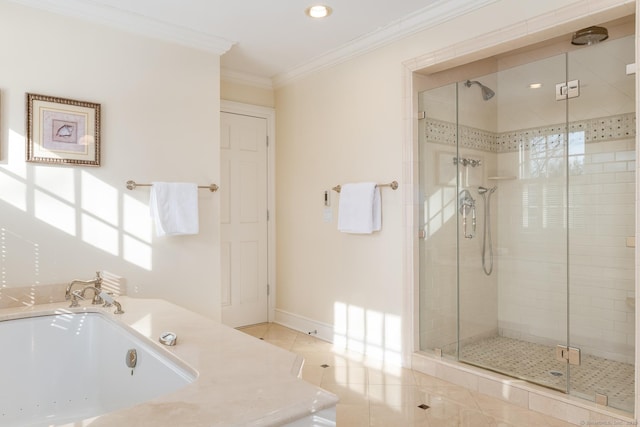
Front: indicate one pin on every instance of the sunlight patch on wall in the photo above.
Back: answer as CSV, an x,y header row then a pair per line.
x,y
137,252
113,283
70,199
14,189
77,203
99,198
18,254
392,339
372,333
439,208
138,232
13,192
15,150
340,325
136,219
97,233
355,329
56,180
54,212
375,334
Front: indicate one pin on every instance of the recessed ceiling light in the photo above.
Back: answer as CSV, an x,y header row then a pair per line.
x,y
535,85
318,11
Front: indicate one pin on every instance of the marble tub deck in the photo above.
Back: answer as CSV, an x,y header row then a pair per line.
x,y
241,381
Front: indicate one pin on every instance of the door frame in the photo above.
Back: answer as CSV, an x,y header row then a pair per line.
x,y
269,114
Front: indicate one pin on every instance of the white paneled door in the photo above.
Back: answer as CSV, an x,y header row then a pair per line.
x,y
243,213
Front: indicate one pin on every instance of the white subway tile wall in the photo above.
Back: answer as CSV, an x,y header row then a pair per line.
x,y
530,227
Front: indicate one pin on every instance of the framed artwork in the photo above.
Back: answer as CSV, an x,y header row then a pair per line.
x,y
62,131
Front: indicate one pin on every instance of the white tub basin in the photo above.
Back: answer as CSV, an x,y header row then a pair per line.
x,y
65,367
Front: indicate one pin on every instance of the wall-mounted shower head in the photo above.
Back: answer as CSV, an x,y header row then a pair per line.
x,y
487,93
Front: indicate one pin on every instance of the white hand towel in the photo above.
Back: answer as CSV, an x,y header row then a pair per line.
x,y
359,210
174,208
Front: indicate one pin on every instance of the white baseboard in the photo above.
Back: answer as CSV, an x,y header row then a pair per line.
x,y
316,329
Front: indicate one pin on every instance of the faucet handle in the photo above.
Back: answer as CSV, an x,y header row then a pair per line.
x,y
74,298
107,297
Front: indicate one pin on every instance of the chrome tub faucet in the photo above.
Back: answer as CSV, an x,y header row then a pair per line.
x,y
95,282
97,292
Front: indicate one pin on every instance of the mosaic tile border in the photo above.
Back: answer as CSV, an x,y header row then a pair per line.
x,y
595,130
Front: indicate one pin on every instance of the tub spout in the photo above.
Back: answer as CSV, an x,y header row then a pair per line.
x,y
103,295
95,282
109,301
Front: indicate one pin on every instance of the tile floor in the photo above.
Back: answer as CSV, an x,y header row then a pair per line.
x,y
372,394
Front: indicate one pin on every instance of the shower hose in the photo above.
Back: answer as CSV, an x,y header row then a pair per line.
x,y
486,236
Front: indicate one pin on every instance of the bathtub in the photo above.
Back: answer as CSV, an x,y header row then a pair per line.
x,y
62,367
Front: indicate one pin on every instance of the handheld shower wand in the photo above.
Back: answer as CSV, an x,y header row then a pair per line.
x,y
486,229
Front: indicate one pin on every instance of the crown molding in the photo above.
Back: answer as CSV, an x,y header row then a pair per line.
x,y
232,76
132,23
437,13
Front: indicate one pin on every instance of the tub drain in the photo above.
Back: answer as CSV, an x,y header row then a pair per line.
x,y
556,373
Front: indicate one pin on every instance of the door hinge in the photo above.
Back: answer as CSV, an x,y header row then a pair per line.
x,y
267,214
422,115
267,138
567,90
268,289
570,354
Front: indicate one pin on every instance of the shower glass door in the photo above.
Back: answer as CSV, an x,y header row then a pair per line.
x,y
438,209
512,278
527,185
602,156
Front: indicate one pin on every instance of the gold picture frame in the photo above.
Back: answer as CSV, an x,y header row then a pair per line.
x,y
62,131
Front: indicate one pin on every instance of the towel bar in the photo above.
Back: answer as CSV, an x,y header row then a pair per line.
x,y
392,184
131,185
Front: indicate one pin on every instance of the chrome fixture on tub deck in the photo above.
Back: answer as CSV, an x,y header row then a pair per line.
x,y
96,282
97,292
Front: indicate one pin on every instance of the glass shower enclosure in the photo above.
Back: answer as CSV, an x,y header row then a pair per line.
x,y
527,212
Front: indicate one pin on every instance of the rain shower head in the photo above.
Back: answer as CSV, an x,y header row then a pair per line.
x,y
487,93
589,36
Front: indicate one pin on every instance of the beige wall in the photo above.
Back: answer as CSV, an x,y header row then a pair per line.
x,y
342,125
246,94
160,122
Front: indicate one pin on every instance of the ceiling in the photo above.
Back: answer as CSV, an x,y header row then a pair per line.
x,y
268,42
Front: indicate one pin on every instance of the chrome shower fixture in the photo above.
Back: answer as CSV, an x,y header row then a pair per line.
x,y
483,190
487,242
487,93
466,207
466,162
589,36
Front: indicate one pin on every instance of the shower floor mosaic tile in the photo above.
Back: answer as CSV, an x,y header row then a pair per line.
x,y
537,363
